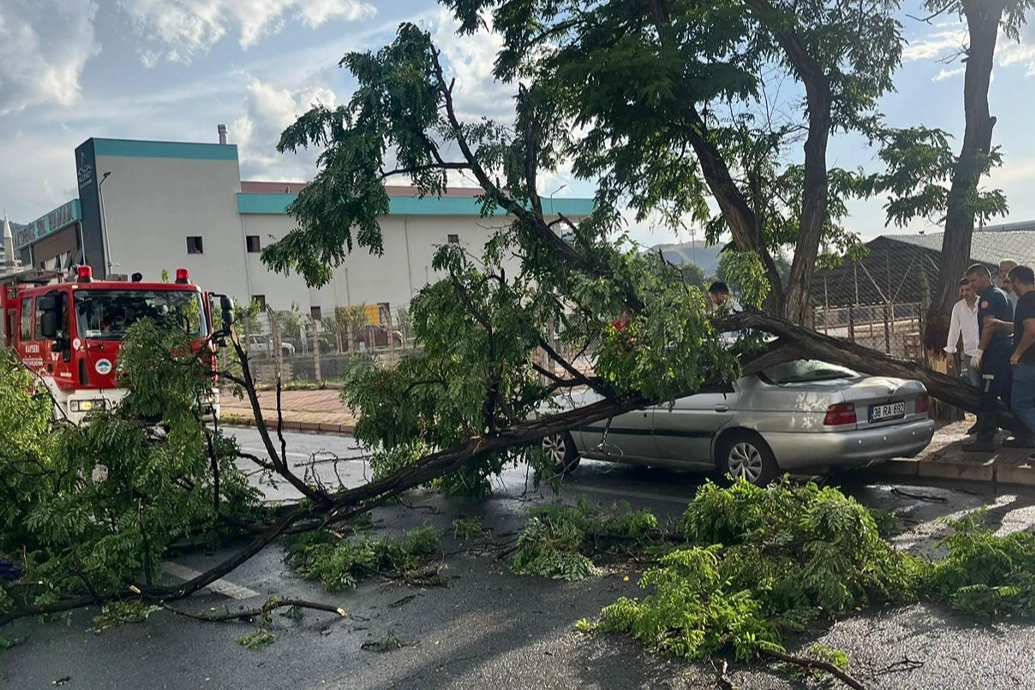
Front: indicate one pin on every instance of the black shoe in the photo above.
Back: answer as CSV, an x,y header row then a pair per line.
x,y
979,446
972,430
1023,442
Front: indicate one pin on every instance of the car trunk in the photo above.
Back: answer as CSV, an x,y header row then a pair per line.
x,y
881,401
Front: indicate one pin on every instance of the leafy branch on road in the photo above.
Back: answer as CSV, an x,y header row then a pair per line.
x,y
751,566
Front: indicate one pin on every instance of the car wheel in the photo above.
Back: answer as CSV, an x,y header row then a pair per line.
x,y
743,454
561,452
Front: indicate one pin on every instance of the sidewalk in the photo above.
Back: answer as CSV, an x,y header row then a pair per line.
x,y
313,411
322,411
944,459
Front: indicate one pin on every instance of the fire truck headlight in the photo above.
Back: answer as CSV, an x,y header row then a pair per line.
x,y
86,405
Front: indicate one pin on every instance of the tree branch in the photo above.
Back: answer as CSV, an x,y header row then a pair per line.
x,y
270,605
815,664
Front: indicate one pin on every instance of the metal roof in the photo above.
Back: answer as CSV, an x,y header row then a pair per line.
x,y
988,246
904,268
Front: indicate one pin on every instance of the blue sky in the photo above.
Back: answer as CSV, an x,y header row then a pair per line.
x,y
174,69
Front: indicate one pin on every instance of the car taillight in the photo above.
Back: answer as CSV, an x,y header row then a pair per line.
x,y
923,404
840,414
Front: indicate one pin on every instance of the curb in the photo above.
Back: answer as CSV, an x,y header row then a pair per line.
x,y
986,472
302,427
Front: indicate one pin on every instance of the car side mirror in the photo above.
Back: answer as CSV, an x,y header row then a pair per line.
x,y
49,325
226,305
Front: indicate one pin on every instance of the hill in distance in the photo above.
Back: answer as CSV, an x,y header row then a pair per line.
x,y
706,257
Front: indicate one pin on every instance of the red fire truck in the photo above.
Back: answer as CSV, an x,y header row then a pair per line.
x,y
69,333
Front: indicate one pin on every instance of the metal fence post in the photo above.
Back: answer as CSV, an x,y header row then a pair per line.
x,y
887,331
317,374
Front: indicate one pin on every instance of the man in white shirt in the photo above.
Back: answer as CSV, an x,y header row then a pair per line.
x,y
964,322
1005,266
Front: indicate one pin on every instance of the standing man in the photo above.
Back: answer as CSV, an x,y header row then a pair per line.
x,y
1022,400
964,322
993,355
1005,266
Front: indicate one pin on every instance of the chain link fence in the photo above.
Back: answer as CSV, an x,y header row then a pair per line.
x,y
894,329
327,365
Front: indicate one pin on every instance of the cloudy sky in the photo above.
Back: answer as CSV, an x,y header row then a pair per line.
x,y
174,69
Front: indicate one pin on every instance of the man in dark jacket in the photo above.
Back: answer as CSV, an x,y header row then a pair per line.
x,y
993,359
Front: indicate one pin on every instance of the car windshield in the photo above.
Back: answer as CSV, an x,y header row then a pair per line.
x,y
806,370
107,314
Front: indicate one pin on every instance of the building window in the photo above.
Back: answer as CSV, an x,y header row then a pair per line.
x,y
454,239
194,245
260,300
315,313
253,244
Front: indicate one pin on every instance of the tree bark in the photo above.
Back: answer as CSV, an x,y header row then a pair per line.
x,y
983,19
797,302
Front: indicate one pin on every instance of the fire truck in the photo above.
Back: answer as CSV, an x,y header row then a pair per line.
x,y
69,332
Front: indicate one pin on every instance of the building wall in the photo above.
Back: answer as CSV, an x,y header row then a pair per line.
x,y
60,244
152,203
405,267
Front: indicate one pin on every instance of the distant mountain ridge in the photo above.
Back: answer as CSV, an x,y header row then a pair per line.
x,y
706,257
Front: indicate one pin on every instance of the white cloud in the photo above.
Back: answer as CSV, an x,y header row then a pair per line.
x,y
945,74
44,46
45,179
269,110
949,38
187,27
935,44
470,60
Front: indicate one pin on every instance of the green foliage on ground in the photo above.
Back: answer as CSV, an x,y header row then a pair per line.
x,y
986,574
758,564
560,541
119,613
340,564
465,529
257,640
92,510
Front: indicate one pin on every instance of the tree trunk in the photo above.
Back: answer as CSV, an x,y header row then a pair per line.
x,y
983,18
797,302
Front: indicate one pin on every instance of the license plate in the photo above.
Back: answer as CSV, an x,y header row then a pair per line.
x,y
884,413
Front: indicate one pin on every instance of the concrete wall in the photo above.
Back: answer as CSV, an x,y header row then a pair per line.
x,y
151,205
405,267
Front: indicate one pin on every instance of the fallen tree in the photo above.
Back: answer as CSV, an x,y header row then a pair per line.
x,y
796,342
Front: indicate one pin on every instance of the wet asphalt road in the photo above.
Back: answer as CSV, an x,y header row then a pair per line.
x,y
492,629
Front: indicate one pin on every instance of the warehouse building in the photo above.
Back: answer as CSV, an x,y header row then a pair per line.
x,y
154,206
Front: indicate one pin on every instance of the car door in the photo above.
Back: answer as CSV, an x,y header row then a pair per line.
x,y
625,437
683,433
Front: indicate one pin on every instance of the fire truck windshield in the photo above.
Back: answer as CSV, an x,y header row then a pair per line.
x,y
107,314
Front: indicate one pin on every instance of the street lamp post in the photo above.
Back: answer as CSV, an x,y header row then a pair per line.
x,y
554,192
106,254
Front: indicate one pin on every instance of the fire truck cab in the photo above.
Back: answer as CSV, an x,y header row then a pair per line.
x,y
69,333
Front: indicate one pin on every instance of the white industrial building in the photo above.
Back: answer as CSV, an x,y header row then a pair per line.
x,y
154,206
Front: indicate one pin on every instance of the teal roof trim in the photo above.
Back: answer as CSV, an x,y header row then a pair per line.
x,y
61,217
164,149
274,204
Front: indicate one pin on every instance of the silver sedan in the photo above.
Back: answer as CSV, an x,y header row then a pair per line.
x,y
794,417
